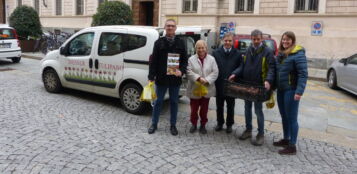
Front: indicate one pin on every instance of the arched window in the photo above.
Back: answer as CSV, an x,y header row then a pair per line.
x,y
58,7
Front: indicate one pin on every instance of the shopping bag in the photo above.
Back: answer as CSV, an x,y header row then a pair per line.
x,y
200,90
271,102
148,93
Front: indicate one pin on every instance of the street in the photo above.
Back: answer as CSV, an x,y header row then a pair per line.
x,y
78,132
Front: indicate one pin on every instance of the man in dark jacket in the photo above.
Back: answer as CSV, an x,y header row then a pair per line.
x,y
168,64
228,59
258,67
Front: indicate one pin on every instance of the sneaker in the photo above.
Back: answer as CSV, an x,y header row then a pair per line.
x,y
259,140
229,129
203,130
173,130
193,129
219,127
289,150
152,129
281,143
246,134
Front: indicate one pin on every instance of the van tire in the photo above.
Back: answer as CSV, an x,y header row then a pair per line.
x,y
130,99
51,81
16,59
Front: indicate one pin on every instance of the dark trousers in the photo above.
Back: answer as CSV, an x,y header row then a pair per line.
x,y
174,97
220,110
289,108
202,105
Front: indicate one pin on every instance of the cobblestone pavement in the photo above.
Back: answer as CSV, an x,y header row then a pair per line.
x,y
77,132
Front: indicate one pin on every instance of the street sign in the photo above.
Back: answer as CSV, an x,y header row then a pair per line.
x,y
227,27
316,28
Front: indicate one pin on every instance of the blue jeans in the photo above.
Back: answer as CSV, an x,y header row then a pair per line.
x,y
174,97
258,108
288,108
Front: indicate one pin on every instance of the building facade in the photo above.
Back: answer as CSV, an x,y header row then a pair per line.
x,y
326,28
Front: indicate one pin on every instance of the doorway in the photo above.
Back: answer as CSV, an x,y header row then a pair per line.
x,y
146,10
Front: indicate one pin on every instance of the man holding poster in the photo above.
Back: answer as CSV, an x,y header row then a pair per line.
x,y
168,64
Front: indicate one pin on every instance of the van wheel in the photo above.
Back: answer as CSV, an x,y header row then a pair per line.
x,y
130,99
16,59
51,81
332,79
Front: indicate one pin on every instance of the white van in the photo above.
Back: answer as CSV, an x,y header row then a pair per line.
x,y
107,60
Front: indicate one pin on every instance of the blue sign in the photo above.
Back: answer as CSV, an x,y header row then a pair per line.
x,y
316,29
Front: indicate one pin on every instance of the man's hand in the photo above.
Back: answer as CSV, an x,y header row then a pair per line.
x,y
232,77
297,97
267,85
178,73
203,80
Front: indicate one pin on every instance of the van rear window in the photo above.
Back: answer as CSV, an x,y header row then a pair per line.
x,y
7,34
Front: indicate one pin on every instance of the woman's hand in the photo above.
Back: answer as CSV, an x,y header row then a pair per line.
x,y
297,97
203,80
178,73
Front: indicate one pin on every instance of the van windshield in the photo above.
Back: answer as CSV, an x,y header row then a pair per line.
x,y
6,34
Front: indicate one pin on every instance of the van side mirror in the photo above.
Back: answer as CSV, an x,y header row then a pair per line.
x,y
63,50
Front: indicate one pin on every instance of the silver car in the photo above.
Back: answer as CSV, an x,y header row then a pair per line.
x,y
343,74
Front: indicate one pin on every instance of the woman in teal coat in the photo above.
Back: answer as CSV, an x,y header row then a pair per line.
x,y
291,82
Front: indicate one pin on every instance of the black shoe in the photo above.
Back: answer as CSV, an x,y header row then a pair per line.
x,y
152,129
288,150
281,143
203,130
173,130
218,127
193,129
229,129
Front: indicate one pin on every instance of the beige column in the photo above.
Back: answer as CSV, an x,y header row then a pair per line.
x,y
322,7
256,6
291,4
231,6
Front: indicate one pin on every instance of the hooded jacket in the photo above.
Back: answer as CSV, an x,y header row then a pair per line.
x,y
292,70
258,66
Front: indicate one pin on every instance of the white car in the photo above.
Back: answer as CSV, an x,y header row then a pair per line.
x,y
9,44
343,74
107,60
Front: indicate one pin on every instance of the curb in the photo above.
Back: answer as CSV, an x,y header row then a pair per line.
x,y
31,56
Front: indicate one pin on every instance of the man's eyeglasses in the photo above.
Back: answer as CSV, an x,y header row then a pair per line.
x,y
170,25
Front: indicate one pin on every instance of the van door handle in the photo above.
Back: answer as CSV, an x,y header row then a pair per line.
x,y
96,63
90,63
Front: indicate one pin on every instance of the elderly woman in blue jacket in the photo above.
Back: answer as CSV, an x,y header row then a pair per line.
x,y
291,82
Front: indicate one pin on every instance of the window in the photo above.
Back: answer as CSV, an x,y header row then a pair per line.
x,y
81,45
59,7
189,6
306,6
19,2
100,1
7,34
244,6
353,60
110,44
116,43
37,6
135,42
79,7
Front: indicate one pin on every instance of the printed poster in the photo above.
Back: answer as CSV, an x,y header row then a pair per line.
x,y
173,63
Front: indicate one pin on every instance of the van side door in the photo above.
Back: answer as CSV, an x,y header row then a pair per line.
x,y
108,61
76,65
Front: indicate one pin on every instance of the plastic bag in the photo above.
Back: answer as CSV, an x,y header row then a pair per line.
x,y
200,90
271,102
148,93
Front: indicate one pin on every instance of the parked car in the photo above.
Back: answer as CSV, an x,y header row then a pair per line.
x,y
9,44
242,42
107,60
343,74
